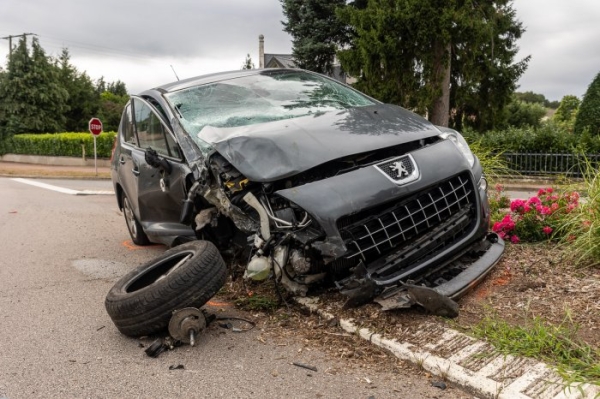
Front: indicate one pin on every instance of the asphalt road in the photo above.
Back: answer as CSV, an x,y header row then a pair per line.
x,y
59,256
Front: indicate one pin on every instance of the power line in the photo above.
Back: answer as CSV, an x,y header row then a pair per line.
x,y
10,37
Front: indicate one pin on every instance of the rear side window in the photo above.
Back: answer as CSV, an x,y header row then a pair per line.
x,y
127,126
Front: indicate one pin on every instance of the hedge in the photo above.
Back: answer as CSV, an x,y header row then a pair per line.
x,y
550,138
59,144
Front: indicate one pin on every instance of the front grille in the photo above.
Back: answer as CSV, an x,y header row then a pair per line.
x,y
372,233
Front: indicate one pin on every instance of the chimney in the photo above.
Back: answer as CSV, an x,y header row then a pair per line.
x,y
261,51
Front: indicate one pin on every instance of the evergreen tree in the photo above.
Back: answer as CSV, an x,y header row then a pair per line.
x,y
588,116
316,32
435,55
32,98
83,102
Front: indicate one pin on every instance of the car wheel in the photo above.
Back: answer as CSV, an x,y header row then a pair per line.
x,y
135,228
142,301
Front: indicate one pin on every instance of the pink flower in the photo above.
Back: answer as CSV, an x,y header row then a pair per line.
x,y
541,192
554,206
507,223
547,230
549,190
516,204
499,187
502,235
514,239
546,210
497,227
526,208
534,201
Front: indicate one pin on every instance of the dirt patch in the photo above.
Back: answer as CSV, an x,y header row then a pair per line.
x,y
536,281
10,169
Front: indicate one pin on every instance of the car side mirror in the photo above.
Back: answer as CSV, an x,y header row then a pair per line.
x,y
156,161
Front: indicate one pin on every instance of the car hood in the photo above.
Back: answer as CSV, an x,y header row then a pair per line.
x,y
274,150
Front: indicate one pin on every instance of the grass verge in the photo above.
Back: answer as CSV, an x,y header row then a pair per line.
x,y
558,346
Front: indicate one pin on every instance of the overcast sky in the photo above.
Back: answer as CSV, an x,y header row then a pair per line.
x,y
137,41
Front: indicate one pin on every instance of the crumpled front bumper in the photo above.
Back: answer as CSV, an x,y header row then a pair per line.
x,y
438,300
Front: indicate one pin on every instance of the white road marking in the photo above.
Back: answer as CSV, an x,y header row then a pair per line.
x,y
60,189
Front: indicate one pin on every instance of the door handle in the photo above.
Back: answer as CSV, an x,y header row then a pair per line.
x,y
135,171
122,160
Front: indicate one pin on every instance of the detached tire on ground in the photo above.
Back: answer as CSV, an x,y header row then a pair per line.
x,y
142,301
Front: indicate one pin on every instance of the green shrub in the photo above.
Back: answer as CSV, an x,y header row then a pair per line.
x,y
59,144
550,137
581,231
537,219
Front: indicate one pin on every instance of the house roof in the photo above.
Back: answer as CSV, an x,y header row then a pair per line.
x,y
279,61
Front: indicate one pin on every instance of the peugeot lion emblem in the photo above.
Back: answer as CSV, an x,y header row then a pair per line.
x,y
399,168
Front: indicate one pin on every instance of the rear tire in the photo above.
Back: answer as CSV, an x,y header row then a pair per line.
x,y
142,301
138,236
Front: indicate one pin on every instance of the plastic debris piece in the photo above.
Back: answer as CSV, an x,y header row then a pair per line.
x,y
156,348
439,384
306,366
178,367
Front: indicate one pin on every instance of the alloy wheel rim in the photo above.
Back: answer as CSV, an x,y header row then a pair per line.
x,y
130,217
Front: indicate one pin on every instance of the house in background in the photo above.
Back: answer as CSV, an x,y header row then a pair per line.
x,y
287,61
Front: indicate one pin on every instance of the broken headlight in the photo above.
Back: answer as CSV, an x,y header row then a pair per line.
x,y
460,143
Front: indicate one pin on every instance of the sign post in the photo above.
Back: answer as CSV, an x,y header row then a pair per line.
x,y
95,126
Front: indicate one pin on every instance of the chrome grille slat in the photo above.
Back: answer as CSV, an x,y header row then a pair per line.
x,y
377,234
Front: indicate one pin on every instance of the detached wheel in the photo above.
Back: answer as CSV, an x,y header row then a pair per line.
x,y
142,301
135,228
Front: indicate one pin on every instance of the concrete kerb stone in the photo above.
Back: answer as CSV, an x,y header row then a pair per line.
x,y
458,358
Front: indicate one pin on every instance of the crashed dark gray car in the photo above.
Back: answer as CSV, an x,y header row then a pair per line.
x,y
309,182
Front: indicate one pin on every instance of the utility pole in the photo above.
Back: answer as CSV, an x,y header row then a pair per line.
x,y
9,38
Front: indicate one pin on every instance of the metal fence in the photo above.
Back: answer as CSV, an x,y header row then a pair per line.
x,y
572,165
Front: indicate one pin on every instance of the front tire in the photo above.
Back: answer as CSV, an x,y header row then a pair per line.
x,y
142,301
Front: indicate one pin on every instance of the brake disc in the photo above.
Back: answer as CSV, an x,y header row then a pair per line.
x,y
186,324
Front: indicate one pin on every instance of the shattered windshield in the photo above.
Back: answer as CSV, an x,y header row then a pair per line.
x,y
266,97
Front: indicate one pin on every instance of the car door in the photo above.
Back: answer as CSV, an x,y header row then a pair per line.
x,y
160,194
127,167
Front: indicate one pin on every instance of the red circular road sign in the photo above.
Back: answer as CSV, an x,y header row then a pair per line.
x,y
95,126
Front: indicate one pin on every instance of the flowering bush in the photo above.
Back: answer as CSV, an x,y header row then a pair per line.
x,y
499,202
537,218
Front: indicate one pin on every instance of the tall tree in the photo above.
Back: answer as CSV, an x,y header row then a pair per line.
x,y
83,101
316,32
567,110
31,96
435,55
588,116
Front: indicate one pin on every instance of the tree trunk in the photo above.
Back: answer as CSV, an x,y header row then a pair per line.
x,y
440,112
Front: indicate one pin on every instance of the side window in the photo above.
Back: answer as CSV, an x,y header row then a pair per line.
x,y
151,132
127,126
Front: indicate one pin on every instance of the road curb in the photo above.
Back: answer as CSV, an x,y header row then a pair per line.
x,y
467,362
